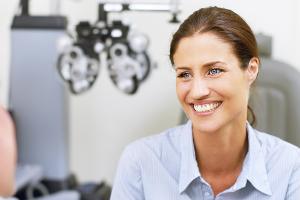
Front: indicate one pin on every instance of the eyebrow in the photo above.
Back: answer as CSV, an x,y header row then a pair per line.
x,y
205,65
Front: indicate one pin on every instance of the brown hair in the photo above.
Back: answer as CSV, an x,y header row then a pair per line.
x,y
228,26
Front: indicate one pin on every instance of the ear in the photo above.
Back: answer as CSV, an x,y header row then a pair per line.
x,y
252,70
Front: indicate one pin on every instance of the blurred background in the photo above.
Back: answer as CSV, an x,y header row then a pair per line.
x,y
103,120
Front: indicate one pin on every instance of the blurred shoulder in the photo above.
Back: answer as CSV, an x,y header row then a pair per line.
x,y
6,124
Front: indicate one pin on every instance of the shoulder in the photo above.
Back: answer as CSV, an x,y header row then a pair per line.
x,y
141,161
279,153
155,145
5,121
274,145
282,162
8,153
6,130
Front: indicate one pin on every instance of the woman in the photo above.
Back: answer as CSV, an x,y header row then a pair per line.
x,y
217,154
7,155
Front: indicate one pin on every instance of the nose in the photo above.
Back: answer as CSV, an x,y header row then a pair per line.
x,y
199,89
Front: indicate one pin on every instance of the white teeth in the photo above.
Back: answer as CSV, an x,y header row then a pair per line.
x,y
206,107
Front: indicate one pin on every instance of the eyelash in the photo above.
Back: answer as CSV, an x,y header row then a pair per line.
x,y
183,75
215,69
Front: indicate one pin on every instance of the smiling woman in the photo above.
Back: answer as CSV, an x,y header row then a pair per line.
x,y
215,80
217,154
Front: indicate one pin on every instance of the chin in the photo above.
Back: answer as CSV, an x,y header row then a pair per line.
x,y
216,123
209,124
206,126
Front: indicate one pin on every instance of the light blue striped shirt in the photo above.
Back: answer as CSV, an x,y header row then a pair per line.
x,y
164,167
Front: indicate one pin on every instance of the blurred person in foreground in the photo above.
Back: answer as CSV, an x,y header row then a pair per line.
x,y
7,154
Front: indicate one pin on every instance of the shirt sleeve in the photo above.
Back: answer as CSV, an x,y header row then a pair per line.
x,y
128,181
293,192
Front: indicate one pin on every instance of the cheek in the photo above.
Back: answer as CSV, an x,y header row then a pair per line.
x,y
182,89
233,88
236,92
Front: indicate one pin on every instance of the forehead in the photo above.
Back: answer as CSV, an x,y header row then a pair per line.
x,y
203,48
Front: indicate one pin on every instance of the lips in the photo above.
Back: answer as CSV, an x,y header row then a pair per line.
x,y
206,107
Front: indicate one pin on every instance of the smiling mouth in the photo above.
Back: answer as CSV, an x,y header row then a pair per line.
x,y
208,107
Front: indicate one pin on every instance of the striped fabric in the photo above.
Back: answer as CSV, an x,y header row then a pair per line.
x,y
164,167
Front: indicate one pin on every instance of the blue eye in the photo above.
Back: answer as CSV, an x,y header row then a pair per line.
x,y
184,75
214,71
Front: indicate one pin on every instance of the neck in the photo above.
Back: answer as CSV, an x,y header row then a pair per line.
x,y
221,152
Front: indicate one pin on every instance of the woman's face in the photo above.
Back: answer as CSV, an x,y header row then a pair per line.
x,y
211,87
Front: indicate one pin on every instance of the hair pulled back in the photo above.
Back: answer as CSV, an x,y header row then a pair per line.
x,y
226,25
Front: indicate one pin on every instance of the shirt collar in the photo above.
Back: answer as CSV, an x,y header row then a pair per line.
x,y
257,173
188,167
254,168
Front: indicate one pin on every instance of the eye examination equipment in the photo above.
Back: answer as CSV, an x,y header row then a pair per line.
x,y
128,60
39,99
274,100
